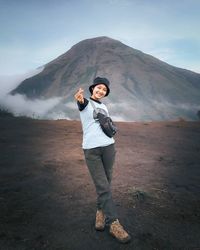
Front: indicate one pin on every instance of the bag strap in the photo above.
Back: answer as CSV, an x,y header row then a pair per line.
x,y
94,107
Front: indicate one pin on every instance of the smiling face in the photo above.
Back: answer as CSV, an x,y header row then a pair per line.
x,y
99,91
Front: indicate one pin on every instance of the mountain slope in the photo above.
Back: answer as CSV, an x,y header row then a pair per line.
x,y
142,87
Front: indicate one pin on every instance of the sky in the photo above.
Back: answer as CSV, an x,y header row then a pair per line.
x,y
34,32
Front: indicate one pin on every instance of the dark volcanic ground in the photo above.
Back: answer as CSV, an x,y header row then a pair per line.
x,y
47,198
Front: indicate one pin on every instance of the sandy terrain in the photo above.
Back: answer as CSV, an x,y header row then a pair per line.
x,y
47,198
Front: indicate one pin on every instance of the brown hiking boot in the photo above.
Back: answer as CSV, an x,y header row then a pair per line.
x,y
117,231
100,221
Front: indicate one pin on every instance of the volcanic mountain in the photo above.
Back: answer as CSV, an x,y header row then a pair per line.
x,y
142,87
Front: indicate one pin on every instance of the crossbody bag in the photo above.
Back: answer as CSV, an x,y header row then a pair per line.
x,y
106,123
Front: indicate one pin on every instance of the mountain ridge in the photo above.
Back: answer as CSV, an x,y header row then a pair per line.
x,y
141,80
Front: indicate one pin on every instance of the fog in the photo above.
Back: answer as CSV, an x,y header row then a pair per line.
x,y
154,110
9,82
58,108
18,104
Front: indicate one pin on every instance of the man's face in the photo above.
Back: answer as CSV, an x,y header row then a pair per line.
x,y
99,91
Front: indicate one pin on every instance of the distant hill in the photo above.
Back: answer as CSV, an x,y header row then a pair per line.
x,y
142,87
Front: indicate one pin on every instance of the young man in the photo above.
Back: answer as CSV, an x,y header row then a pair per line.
x,y
99,150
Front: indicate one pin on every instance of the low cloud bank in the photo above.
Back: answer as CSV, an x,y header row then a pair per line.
x,y
8,83
57,108
141,111
19,105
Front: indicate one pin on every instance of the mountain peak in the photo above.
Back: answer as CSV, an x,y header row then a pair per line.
x,y
97,42
98,39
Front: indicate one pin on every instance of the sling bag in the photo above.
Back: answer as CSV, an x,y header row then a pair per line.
x,y
106,123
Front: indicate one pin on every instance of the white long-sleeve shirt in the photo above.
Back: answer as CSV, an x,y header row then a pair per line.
x,y
93,135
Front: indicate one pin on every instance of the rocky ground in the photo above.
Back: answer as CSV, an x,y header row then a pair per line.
x,y
47,198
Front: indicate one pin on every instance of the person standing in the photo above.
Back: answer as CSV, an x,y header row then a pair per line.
x,y
99,151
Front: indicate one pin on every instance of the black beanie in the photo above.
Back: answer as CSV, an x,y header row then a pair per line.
x,y
100,80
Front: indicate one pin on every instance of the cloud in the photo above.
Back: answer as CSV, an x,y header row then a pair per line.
x,y
19,104
9,82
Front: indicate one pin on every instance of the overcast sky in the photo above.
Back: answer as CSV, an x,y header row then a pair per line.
x,y
34,32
